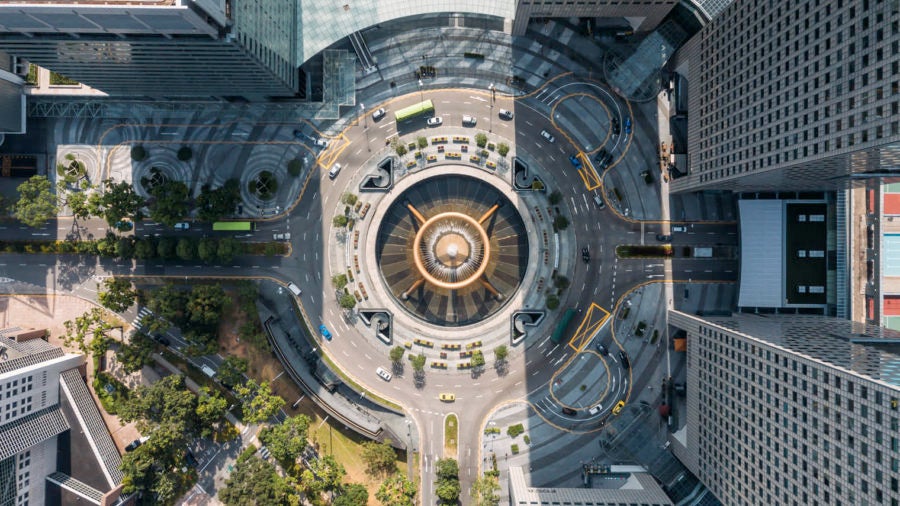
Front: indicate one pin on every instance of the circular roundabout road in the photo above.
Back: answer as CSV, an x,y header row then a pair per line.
x,y
421,246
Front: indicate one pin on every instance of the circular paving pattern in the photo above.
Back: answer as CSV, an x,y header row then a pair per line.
x,y
452,250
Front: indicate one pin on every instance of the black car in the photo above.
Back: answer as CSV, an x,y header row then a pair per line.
x,y
601,156
191,460
132,446
663,238
601,348
585,254
569,411
161,339
624,358
615,126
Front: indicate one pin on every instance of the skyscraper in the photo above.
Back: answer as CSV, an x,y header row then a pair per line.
x,y
791,410
792,95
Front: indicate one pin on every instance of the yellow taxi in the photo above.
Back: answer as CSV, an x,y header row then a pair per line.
x,y
618,408
447,397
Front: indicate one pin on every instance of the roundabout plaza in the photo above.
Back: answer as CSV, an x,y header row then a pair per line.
x,y
496,276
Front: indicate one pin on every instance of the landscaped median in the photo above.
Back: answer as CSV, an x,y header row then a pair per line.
x,y
451,436
168,248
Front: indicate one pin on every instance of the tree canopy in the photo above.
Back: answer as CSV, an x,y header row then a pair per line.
x,y
448,487
37,203
169,203
258,402
484,491
255,481
117,202
215,204
286,440
117,295
352,494
397,491
380,458
88,332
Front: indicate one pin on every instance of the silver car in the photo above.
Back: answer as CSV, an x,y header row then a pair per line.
x,y
547,135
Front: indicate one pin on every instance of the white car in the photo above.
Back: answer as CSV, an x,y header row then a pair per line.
x,y
469,120
282,237
377,115
335,170
435,121
547,135
504,114
182,226
322,143
386,376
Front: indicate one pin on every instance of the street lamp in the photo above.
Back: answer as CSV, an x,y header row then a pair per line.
x,y
421,93
491,120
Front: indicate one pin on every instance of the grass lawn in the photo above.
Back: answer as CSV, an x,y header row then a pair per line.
x,y
451,436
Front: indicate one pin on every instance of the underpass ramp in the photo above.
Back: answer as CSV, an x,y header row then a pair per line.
x,y
594,318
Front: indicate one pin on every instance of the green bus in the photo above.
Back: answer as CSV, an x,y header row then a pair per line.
x,y
414,110
233,226
563,325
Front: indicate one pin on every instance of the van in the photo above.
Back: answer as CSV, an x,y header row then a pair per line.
x,y
295,289
207,370
624,358
504,114
599,201
335,170
596,409
469,120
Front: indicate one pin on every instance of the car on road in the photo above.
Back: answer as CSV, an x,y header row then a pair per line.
x,y
547,135
618,407
603,158
435,121
504,114
602,348
386,376
624,358
378,114
282,237
123,226
615,126
648,176
569,411
627,126
575,161
295,289
335,170
322,143
586,254
191,460
599,201
679,228
132,446
161,339
664,237
594,410
324,331
447,397
298,134
182,226
469,120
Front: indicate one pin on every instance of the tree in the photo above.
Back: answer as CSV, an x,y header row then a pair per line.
x,y
232,370
401,149
258,401
380,458
78,204
255,481
186,248
287,439
396,491
36,204
185,153
138,153
294,167
136,353
477,359
168,302
349,199
228,247
555,197
422,141
560,222
502,149
88,332
211,409
501,352
397,353
166,402
169,203
205,303
351,494
215,204
165,248
561,282
117,202
418,362
480,140
117,295
207,249
327,474
484,491
447,469
339,281
124,247
339,221
347,301
552,302
448,491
